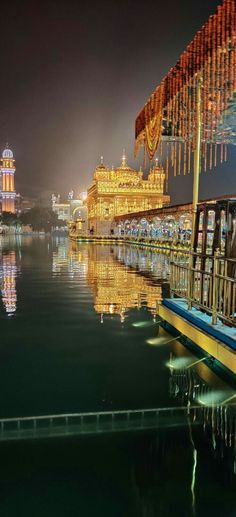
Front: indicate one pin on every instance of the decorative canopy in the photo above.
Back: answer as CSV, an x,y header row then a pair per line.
x,y
169,115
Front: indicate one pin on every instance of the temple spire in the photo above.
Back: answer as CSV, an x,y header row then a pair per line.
x,y
101,161
123,163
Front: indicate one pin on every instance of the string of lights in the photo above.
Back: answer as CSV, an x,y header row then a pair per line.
x,y
169,115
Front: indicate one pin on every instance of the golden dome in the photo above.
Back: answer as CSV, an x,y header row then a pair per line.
x,y
101,165
124,168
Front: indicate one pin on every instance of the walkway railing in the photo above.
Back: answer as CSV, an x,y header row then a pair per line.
x,y
67,424
210,284
92,422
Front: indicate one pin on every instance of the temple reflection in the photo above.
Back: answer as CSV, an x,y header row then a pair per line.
x,y
117,286
122,279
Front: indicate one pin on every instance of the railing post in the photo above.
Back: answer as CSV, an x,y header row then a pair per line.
x,y
172,268
190,281
215,285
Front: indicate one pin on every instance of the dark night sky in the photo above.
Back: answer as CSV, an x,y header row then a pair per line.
x,y
73,77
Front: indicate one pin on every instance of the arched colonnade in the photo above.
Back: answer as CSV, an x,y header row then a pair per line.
x,y
176,227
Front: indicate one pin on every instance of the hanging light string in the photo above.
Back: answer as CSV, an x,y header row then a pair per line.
x,y
169,115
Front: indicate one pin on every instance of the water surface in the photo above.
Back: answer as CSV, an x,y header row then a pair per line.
x,y
69,344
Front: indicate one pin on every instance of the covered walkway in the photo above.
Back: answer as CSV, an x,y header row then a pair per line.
x,y
170,222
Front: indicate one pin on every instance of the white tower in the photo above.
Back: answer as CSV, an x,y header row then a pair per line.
x,y
8,194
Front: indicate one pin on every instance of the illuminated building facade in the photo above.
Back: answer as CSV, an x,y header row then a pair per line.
x,y
72,210
122,191
62,210
8,194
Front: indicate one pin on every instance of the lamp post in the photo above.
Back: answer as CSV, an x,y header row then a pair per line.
x,y
196,172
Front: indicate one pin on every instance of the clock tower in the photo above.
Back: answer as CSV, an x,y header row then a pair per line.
x,y
8,194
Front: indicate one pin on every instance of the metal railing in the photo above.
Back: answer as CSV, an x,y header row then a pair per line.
x,y
208,282
75,424
91,422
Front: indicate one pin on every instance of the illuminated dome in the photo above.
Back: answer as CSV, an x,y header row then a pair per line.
x,y
7,153
101,165
127,172
101,172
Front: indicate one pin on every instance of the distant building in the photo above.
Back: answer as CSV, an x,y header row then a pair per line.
x,y
121,191
7,170
71,210
23,204
61,209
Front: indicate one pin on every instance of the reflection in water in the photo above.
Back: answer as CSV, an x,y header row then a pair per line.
x,y
117,287
80,365
125,278
191,385
150,262
8,274
180,458
69,258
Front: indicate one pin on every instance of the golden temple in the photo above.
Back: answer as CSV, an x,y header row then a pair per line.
x,y
122,191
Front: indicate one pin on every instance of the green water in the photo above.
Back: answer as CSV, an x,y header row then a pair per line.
x,y
68,344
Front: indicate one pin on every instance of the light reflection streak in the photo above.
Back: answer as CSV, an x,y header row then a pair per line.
x,y
194,478
193,383
8,274
161,341
145,324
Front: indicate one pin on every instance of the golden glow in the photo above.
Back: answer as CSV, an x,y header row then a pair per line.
x,y
8,205
116,288
8,282
122,191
